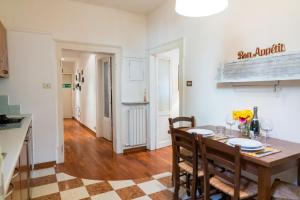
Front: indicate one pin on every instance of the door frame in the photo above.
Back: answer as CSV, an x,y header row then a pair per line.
x,y
116,85
153,127
100,95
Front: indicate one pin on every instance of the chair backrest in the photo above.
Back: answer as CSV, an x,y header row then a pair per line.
x,y
224,155
172,121
182,139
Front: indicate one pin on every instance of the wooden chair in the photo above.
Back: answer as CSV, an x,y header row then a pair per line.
x,y
285,191
229,182
184,164
179,120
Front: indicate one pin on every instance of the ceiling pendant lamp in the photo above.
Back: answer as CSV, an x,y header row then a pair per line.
x,y
200,8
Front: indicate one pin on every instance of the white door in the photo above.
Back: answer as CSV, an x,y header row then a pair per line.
x,y
67,95
163,139
107,98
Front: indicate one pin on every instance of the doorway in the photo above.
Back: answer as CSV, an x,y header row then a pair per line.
x,y
116,53
166,70
67,72
67,96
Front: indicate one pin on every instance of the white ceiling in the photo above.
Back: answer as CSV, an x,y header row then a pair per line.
x,y
137,6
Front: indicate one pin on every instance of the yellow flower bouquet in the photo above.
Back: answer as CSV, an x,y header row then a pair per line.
x,y
244,117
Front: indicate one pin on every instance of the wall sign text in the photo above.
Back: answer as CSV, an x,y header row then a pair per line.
x,y
276,48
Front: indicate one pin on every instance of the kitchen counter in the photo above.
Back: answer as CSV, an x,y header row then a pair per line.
x,y
11,142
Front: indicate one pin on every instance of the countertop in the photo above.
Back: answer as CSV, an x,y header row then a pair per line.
x,y
11,142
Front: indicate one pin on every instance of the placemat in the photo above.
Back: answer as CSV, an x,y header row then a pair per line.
x,y
267,151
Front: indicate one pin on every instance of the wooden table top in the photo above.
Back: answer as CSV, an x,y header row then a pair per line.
x,y
288,150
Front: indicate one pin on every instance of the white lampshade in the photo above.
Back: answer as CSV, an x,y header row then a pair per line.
x,y
200,8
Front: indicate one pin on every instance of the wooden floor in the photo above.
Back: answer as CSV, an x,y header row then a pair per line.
x,y
92,158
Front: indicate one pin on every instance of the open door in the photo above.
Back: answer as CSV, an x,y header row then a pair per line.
x,y
67,96
167,65
163,84
107,98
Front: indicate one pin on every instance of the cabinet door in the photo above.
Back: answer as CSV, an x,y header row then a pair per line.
x,y
24,172
14,192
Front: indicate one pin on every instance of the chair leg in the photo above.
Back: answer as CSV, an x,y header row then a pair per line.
x,y
200,186
194,187
173,168
188,184
177,184
206,190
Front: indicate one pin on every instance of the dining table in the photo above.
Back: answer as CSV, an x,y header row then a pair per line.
x,y
265,167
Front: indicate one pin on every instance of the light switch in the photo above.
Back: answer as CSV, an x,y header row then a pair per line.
x,y
47,85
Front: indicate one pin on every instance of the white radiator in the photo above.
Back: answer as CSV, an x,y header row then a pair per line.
x,y
137,126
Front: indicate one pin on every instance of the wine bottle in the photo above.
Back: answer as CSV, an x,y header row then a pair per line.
x,y
254,126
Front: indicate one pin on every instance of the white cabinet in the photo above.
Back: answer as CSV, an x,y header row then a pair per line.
x,y
3,53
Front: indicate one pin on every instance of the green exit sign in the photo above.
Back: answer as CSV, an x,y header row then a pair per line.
x,y
67,85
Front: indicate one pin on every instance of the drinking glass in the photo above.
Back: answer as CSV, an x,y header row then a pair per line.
x,y
267,127
230,122
221,131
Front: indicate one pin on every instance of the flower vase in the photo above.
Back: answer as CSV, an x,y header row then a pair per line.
x,y
244,129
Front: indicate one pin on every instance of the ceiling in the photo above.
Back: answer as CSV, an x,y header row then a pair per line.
x,y
137,6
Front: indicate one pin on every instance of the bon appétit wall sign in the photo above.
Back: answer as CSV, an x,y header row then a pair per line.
x,y
260,52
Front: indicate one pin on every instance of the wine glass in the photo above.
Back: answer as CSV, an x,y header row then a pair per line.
x,y
230,122
267,127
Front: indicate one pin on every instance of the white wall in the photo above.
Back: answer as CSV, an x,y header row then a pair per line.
x,y
32,63
210,41
213,40
87,96
68,21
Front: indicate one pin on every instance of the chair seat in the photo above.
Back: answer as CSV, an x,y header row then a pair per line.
x,y
285,191
189,169
186,152
248,188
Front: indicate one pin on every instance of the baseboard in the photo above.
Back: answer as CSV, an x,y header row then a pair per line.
x,y
134,150
44,165
85,127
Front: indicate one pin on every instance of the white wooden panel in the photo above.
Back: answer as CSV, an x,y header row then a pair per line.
x,y
136,70
281,67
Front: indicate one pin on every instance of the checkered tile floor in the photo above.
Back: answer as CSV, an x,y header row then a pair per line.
x,y
49,185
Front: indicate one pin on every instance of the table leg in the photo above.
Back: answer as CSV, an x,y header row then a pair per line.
x,y
264,184
298,172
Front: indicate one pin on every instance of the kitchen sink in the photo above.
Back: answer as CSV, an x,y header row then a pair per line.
x,y
10,122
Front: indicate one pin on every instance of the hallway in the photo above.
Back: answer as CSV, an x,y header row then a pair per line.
x,y
92,158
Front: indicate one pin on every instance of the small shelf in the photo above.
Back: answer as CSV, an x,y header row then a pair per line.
x,y
135,103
